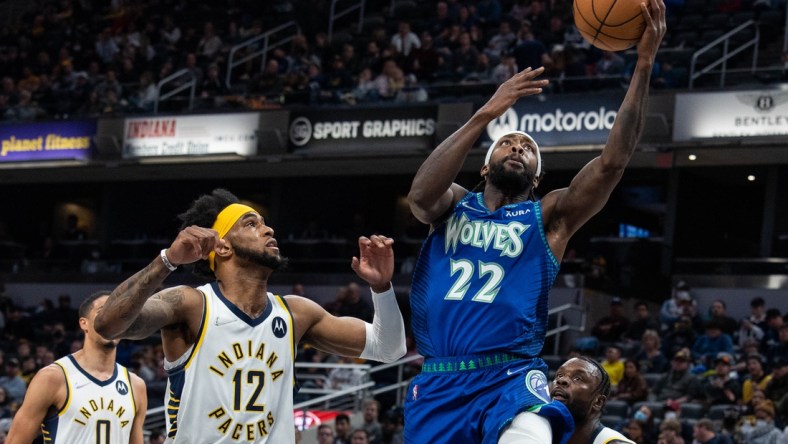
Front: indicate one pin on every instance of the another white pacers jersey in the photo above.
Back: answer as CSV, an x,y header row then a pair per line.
x,y
236,383
95,412
606,435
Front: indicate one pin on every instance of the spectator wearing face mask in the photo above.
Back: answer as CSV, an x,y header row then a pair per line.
x,y
762,430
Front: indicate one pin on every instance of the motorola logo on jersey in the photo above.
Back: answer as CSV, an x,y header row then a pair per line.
x,y
300,131
279,327
121,387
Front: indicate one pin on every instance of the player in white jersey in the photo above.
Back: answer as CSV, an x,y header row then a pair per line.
x,y
85,397
584,387
230,345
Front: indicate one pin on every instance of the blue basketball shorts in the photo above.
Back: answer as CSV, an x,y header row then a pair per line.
x,y
473,399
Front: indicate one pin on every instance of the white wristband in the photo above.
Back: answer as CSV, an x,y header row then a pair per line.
x,y
166,261
385,336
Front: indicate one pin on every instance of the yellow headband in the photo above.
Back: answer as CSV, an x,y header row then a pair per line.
x,y
225,220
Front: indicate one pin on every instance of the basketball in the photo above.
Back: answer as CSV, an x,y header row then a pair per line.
x,y
612,25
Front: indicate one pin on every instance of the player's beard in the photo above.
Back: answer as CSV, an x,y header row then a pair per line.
x,y
579,412
272,261
511,183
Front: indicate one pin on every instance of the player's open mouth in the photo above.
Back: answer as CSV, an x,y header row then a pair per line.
x,y
559,396
272,244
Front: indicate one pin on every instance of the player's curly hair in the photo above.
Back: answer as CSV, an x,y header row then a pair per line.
x,y
203,212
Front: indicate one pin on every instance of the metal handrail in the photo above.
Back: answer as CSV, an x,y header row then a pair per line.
x,y
263,51
726,55
557,332
334,16
192,84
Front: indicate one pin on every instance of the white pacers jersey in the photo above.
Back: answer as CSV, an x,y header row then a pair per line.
x,y
95,412
606,435
236,383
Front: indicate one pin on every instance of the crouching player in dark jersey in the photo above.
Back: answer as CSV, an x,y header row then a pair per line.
x,y
481,283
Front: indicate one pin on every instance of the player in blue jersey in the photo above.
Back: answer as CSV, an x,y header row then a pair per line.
x,y
480,286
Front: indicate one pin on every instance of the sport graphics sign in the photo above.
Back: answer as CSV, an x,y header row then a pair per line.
x,y
191,135
563,120
47,141
357,129
730,114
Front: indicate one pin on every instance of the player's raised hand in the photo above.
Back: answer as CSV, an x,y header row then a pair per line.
x,y
654,15
192,244
375,263
522,84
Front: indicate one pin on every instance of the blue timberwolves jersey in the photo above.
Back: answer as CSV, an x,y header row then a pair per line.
x,y
482,281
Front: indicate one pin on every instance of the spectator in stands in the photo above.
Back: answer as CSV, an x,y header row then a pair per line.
x,y
711,343
650,357
681,336
780,348
392,426
633,387
12,381
502,42
405,40
771,334
359,436
425,61
325,434
488,12
7,408
758,312
371,424
390,80
530,52
718,387
611,328
633,429
505,69
763,429
29,368
441,21
756,376
170,34
25,109
748,332
643,321
210,44
777,389
718,312
704,433
679,382
269,82
670,432
609,69
213,86
354,305
342,378
613,364
342,429
464,57
105,47
674,307
411,92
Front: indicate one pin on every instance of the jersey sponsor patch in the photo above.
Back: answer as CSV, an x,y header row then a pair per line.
x,y
536,383
121,387
279,327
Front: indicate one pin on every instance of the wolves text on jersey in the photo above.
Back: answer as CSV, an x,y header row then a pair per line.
x,y
484,234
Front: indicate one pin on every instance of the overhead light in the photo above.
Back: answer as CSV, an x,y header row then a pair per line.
x,y
751,178
692,157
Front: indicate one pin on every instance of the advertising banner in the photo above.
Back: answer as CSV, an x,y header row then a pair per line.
x,y
559,120
735,114
361,129
191,135
47,141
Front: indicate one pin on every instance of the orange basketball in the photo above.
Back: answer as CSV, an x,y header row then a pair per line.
x,y
612,25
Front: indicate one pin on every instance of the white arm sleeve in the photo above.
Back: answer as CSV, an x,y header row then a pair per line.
x,y
385,340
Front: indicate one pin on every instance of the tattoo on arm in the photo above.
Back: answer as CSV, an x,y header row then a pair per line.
x,y
126,302
161,310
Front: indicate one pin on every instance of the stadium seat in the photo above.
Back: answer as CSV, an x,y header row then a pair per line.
x,y
616,407
692,410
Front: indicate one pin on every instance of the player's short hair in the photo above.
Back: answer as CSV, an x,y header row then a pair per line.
x,y
203,213
87,304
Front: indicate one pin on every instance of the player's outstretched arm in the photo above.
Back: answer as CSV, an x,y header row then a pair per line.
x,y
568,209
141,403
131,313
384,339
433,191
47,390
